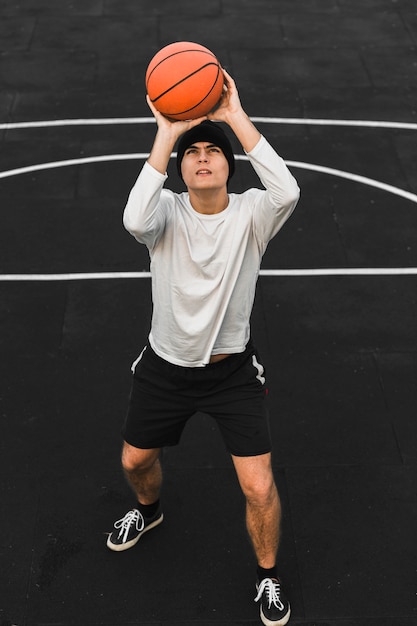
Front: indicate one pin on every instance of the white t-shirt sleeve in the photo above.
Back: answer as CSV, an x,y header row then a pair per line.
x,y
273,207
144,215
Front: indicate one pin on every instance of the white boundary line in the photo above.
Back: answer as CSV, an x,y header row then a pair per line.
x,y
80,161
76,276
145,120
142,155
355,178
262,120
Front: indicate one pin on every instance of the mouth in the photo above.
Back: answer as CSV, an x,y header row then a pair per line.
x,y
203,172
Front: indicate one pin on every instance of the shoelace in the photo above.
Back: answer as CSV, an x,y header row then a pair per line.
x,y
132,517
272,589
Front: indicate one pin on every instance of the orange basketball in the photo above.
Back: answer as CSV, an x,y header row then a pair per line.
x,y
184,80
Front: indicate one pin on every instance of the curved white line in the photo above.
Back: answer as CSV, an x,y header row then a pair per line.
x,y
81,161
151,120
356,178
261,120
330,122
357,271
77,122
142,155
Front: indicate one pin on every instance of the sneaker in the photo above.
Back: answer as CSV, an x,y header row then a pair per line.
x,y
130,529
275,608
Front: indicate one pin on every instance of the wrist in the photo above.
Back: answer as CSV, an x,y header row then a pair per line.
x,y
167,136
246,132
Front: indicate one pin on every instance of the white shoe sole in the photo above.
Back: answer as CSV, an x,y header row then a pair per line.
x,y
116,547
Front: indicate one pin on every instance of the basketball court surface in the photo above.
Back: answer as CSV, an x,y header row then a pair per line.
x,y
333,86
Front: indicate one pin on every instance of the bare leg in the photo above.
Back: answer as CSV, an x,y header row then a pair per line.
x,y
263,507
143,472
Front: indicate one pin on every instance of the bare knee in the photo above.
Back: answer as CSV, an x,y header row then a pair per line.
x,y
256,479
260,491
138,459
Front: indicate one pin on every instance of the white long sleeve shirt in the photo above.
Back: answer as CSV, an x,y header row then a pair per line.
x,y
204,267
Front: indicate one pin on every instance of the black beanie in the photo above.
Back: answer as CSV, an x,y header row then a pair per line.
x,y
206,131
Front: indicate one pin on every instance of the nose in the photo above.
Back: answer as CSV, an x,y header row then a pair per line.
x,y
203,156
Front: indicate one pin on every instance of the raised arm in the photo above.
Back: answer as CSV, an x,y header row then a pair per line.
x,y
166,136
231,112
281,190
143,216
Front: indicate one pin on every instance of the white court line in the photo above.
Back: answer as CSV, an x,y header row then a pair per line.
x,y
263,120
111,121
307,272
80,161
356,178
134,156
76,276
309,166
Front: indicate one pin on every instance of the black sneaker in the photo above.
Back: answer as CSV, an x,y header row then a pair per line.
x,y
275,608
130,528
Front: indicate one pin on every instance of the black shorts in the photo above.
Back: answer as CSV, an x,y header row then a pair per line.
x,y
232,391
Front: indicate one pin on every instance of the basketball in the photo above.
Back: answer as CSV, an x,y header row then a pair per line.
x,y
184,80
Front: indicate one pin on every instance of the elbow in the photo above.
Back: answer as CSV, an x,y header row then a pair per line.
x,y
133,226
127,222
296,193
292,197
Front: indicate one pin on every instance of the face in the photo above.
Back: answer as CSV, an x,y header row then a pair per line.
x,y
204,166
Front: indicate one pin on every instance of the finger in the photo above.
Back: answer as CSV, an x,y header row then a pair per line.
x,y
227,76
196,122
151,106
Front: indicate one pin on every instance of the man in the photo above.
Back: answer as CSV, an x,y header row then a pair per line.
x,y
206,247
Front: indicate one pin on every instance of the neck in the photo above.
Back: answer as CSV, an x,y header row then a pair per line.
x,y
209,202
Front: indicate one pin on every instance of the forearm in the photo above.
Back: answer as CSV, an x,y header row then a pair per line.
x,y
166,136
232,113
162,148
245,131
